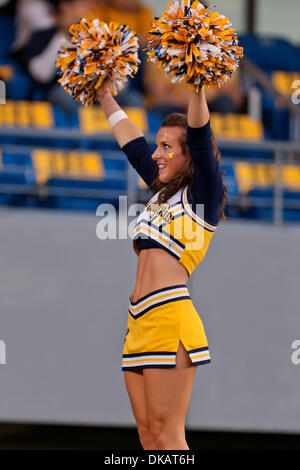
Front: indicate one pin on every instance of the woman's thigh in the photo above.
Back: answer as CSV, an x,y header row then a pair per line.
x,y
134,382
168,391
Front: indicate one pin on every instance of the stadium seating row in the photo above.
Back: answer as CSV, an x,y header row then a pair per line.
x,y
63,176
61,179
68,165
250,176
39,166
26,114
91,120
241,177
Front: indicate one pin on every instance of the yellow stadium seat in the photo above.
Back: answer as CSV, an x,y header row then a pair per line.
x,y
92,119
251,176
41,115
67,164
139,117
283,81
236,127
7,114
26,114
23,114
291,177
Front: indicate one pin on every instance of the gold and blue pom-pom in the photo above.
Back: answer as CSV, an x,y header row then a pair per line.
x,y
192,43
95,51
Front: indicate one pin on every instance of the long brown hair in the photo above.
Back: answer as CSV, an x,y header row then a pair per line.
x,y
167,190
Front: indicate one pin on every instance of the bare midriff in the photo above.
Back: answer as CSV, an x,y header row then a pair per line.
x,y
157,269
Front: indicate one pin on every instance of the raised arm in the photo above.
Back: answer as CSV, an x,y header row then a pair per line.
x,y
207,186
125,130
198,113
130,138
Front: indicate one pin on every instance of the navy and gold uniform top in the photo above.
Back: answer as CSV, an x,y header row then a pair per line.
x,y
185,224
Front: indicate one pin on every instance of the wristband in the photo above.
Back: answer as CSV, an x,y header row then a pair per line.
x,y
116,117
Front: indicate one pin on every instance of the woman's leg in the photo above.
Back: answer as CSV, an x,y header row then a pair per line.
x,y
135,387
168,393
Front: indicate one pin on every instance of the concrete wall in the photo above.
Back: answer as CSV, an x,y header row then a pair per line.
x,y
63,313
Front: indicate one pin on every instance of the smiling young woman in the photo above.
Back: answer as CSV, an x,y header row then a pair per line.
x,y
166,340
168,146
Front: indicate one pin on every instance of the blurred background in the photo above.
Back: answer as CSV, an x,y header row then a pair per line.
x,y
64,293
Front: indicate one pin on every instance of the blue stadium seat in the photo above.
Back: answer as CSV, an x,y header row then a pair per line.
x,y
7,28
21,85
271,53
276,120
267,213
83,203
63,120
230,180
154,121
15,171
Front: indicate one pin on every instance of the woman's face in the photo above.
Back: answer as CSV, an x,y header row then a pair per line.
x,y
168,154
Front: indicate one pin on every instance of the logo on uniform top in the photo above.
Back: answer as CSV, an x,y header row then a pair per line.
x,y
161,210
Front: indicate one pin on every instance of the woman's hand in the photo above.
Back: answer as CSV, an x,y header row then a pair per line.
x,y
104,90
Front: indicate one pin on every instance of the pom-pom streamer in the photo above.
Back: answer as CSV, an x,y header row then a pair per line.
x,y
96,51
192,43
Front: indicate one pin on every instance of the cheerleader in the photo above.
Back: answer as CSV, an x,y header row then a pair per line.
x,y
165,340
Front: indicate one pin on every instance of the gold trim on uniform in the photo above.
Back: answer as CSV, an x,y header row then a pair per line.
x,y
194,216
161,296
